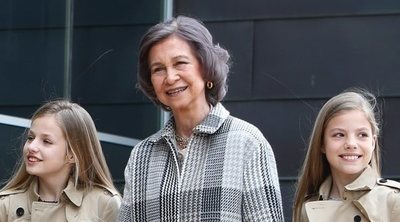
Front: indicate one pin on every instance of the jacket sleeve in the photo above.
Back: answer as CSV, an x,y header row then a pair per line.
x,y
4,205
262,195
126,210
111,209
395,215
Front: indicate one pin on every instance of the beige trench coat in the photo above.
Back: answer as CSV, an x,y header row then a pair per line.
x,y
98,204
368,198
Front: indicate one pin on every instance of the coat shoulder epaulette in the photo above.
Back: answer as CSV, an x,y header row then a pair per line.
x,y
389,183
10,192
108,191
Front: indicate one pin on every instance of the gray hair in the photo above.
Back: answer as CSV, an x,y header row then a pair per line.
x,y
214,60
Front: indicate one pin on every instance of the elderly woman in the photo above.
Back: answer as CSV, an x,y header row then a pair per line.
x,y
204,164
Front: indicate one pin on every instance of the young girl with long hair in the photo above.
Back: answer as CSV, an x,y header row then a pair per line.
x,y
340,179
63,175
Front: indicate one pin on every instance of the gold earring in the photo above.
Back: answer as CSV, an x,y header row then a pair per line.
x,y
210,85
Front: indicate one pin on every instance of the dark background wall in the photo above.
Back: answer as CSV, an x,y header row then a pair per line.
x,y
288,57
34,59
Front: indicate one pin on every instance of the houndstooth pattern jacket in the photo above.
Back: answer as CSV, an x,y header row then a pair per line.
x,y
228,174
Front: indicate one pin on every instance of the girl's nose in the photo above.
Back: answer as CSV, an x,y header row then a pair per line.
x,y
351,143
31,145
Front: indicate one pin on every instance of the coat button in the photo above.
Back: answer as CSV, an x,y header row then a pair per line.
x,y
20,211
357,218
383,180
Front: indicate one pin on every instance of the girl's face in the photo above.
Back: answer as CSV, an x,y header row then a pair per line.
x,y
176,75
45,149
348,144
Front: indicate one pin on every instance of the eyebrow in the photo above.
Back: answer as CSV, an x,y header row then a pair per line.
x,y
174,58
357,129
181,57
364,128
47,135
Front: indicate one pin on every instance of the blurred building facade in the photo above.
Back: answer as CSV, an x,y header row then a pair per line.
x,y
288,58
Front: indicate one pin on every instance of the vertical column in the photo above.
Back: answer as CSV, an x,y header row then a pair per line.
x,y
69,25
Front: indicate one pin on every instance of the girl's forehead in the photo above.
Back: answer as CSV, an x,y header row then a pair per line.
x,y
46,124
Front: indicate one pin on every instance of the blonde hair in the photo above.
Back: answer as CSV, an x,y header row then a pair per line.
x,y
90,166
315,168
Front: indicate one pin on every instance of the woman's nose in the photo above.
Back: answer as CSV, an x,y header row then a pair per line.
x,y
172,76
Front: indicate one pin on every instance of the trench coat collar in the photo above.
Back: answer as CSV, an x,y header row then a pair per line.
x,y
70,192
73,194
365,182
213,121
33,192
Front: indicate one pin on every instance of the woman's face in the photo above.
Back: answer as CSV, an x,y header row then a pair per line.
x,y
45,150
176,75
348,144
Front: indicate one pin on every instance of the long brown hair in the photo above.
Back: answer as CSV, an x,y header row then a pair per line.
x,y
90,166
315,168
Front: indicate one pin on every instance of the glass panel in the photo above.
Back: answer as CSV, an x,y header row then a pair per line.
x,y
83,50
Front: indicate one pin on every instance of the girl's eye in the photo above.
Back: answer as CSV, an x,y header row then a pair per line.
x,y
363,135
29,138
47,141
338,135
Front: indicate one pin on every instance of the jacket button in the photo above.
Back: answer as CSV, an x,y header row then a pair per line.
x,y
20,211
357,218
383,180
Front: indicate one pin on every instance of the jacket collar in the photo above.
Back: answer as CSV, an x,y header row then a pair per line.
x,y
73,194
33,191
365,182
70,192
210,124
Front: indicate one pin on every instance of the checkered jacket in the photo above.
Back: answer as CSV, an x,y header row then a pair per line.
x,y
228,174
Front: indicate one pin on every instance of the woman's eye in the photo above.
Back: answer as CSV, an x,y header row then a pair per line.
x,y
364,135
156,70
29,138
181,64
47,141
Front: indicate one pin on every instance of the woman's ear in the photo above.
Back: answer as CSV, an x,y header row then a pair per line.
x,y
70,158
374,138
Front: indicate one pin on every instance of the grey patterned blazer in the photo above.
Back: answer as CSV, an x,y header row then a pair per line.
x,y
228,174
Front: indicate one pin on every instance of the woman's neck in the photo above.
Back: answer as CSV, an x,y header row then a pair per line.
x,y
187,119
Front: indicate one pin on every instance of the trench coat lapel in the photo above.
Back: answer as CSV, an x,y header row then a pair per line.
x,y
367,205
322,210
76,197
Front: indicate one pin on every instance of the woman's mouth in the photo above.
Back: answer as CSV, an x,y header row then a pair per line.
x,y
176,91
